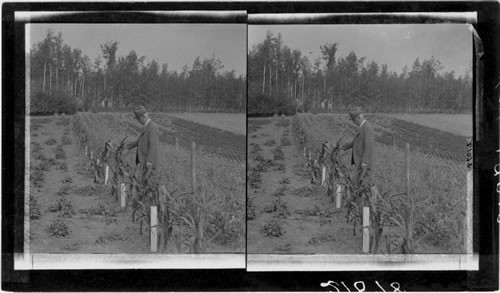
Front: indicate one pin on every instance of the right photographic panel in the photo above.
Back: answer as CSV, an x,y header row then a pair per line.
x,y
357,144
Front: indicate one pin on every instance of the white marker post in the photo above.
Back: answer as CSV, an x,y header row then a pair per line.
x,y
366,230
91,155
338,199
123,196
154,229
86,150
106,175
323,176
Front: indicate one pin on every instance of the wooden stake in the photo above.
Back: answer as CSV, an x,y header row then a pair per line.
x,y
193,166
366,230
323,176
394,143
338,199
154,229
106,174
176,143
407,168
123,195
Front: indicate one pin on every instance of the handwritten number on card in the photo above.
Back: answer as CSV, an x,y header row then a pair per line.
x,y
330,283
359,286
395,286
362,289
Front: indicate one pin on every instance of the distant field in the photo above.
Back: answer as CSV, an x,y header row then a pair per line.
x,y
459,124
231,122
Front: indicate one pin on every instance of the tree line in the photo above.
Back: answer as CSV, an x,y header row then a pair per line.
x,y
284,80
64,78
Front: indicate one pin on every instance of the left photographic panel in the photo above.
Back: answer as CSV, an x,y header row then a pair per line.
x,y
135,144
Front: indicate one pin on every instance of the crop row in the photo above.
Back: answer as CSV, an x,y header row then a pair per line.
x,y
432,208
191,219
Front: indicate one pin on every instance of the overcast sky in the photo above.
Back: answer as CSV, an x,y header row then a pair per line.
x,y
174,44
395,45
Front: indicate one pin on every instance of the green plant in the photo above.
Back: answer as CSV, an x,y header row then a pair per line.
x,y
65,140
59,229
62,205
51,141
285,141
272,229
270,142
34,208
279,207
195,215
37,177
60,154
64,190
278,154
62,166
55,102
251,209
35,147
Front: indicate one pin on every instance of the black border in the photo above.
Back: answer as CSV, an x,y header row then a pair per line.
x,y
485,156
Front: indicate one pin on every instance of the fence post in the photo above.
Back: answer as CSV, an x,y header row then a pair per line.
x,y
407,168
123,196
154,229
176,143
323,176
193,166
366,230
338,199
106,175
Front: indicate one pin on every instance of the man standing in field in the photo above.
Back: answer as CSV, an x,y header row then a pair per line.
x,y
363,146
147,146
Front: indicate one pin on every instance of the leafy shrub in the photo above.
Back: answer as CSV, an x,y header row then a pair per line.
x,y
34,208
60,154
36,147
65,140
251,213
272,229
263,105
278,154
58,229
48,104
62,166
37,177
64,190
270,142
63,206
51,141
285,141
279,207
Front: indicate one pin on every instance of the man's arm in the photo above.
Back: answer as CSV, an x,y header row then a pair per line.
x,y
348,145
133,144
153,142
368,146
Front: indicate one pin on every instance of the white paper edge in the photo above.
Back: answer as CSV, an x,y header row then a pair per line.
x,y
128,261
357,262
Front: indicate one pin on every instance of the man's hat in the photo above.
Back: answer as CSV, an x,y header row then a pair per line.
x,y
139,111
355,112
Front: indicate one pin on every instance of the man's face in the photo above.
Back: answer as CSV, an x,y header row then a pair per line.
x,y
356,120
140,119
